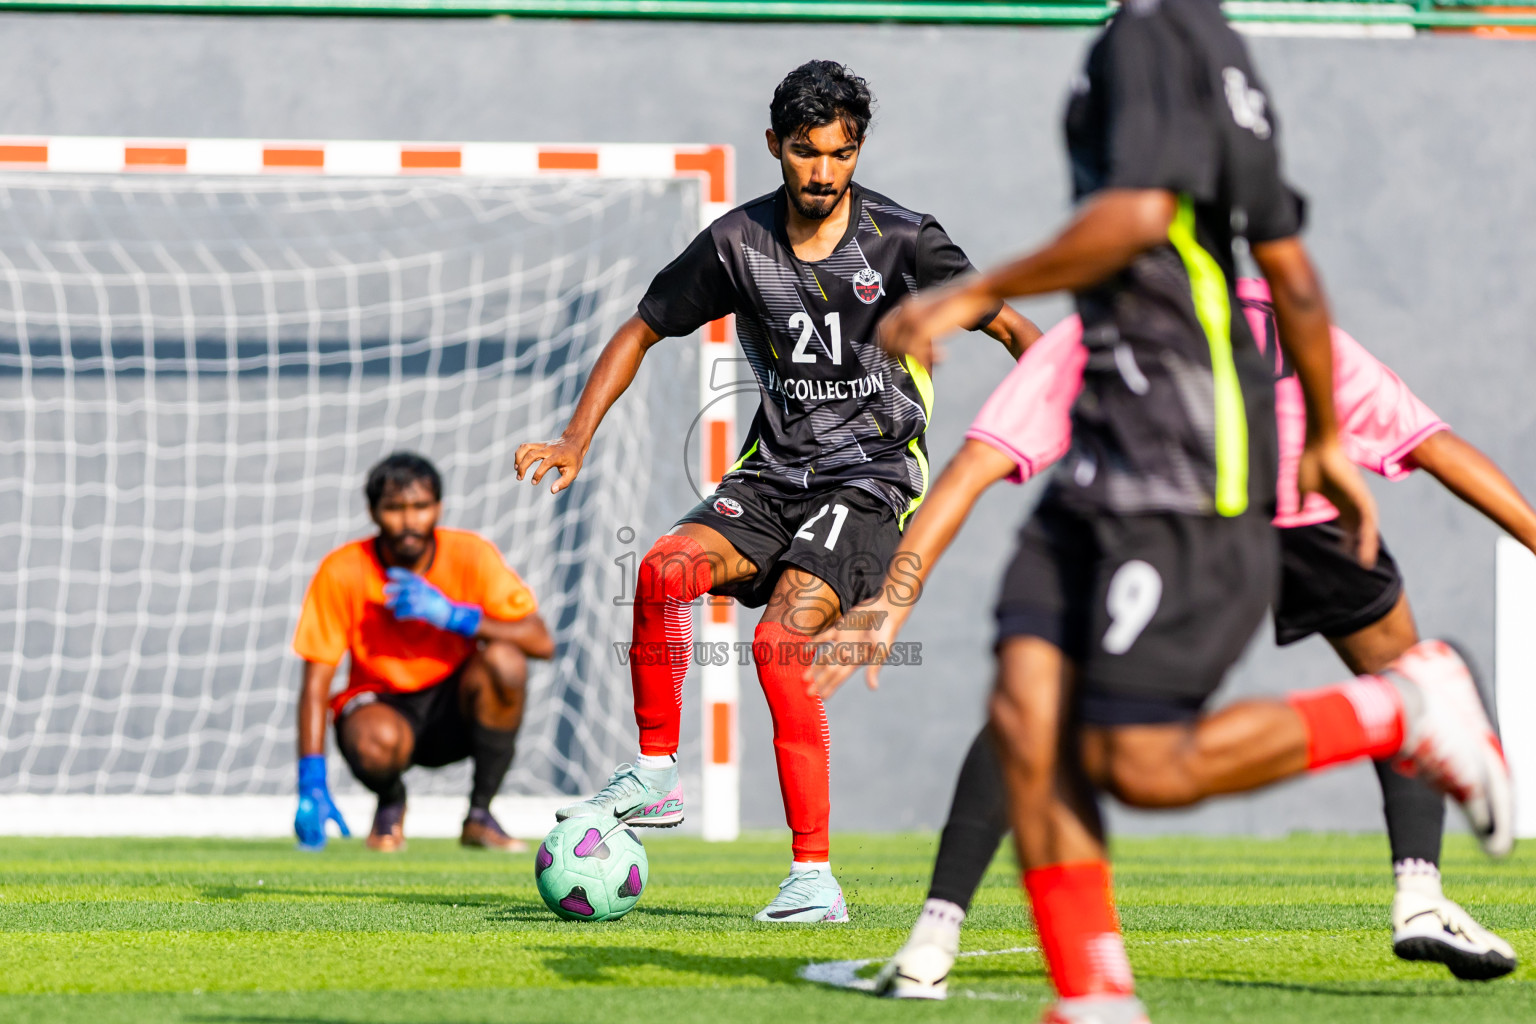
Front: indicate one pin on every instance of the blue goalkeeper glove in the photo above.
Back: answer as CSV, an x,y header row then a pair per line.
x,y
409,597
315,805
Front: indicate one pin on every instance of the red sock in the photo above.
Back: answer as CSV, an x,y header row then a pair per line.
x,y
802,742
1079,932
1360,718
673,573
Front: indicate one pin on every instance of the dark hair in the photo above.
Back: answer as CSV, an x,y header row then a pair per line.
x,y
397,472
817,93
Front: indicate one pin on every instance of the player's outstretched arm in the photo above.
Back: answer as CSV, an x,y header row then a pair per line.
x,y
1477,480
1111,230
315,804
1301,314
975,467
615,370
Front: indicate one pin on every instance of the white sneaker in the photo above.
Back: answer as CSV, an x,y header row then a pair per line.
x,y
920,968
1426,928
1449,742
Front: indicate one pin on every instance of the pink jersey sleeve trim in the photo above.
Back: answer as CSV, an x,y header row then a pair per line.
x,y
1024,467
1394,465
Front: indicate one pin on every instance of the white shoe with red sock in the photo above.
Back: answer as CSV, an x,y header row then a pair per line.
x,y
1449,742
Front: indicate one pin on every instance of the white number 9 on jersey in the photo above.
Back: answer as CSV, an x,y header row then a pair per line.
x,y
1134,592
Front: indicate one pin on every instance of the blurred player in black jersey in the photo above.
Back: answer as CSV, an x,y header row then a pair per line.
x,y
1152,559
834,463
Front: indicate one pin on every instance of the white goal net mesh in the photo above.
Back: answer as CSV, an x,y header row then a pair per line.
x,y
195,376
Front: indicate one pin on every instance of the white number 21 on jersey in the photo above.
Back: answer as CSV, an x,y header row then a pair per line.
x,y
802,322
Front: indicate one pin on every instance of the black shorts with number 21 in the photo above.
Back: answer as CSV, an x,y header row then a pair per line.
x,y
844,536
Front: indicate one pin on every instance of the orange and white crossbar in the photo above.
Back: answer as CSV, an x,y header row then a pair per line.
x,y
714,166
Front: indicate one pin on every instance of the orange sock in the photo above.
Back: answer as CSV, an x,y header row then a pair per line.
x,y
1079,931
1360,718
802,743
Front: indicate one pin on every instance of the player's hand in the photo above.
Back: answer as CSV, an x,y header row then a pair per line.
x,y
852,647
561,455
410,598
1325,468
315,805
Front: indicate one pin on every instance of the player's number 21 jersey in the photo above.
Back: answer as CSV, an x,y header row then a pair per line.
x,y
836,410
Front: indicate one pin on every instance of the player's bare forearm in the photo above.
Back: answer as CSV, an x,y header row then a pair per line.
x,y
1015,330
1477,480
611,376
1111,230
528,634
314,695
1301,314
974,468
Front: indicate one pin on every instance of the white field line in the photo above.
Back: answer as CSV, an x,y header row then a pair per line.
x,y
845,973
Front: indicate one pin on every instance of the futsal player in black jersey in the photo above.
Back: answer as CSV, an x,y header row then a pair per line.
x,y
1151,560
806,519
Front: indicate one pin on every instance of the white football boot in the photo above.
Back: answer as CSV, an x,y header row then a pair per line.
x,y
920,969
1427,926
1449,742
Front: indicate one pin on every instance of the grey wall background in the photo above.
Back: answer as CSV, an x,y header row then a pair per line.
x,y
1416,155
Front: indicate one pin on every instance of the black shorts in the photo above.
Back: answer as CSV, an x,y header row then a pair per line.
x,y
436,719
844,537
1324,590
1154,609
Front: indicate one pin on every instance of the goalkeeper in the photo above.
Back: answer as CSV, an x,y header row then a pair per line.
x,y
440,631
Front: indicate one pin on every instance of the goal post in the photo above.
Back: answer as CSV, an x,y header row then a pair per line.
x,y
205,343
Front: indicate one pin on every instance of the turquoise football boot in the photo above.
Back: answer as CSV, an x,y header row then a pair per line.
x,y
807,897
637,796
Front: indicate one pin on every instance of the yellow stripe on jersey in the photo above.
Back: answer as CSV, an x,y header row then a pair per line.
x,y
1208,289
924,382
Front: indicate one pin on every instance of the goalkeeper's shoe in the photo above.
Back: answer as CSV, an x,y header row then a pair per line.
x,y
919,970
388,832
806,897
1429,928
636,796
1449,741
482,830
1096,1010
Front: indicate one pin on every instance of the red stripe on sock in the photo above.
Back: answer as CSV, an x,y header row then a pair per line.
x,y
1360,718
1079,930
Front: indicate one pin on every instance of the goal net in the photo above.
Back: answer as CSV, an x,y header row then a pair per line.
x,y
196,373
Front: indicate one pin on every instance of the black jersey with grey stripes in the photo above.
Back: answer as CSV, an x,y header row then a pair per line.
x,y
836,411
1177,408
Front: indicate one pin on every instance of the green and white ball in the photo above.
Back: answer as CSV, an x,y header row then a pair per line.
x,y
591,868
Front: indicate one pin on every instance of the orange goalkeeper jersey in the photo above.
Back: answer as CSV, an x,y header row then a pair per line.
x,y
344,613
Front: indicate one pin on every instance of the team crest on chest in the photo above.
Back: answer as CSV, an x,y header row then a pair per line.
x,y
868,285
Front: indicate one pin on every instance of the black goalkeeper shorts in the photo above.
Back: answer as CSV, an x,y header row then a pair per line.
x,y
844,537
434,715
1154,609
1324,590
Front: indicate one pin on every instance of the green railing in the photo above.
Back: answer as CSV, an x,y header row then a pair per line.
x,y
1415,14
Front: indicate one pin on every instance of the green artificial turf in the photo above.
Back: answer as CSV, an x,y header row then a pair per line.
x,y
224,932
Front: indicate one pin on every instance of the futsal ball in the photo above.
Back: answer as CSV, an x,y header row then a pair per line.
x,y
591,868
